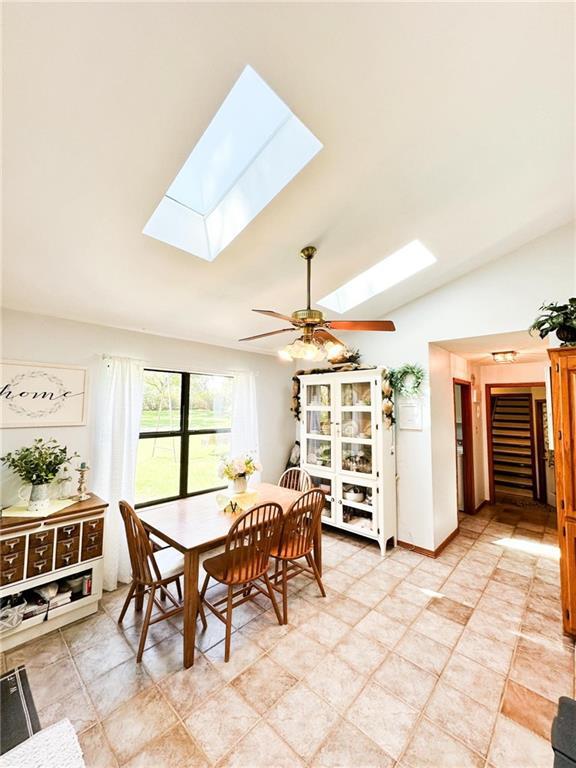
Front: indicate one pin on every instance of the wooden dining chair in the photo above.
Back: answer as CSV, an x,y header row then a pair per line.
x,y
296,479
296,543
244,563
152,572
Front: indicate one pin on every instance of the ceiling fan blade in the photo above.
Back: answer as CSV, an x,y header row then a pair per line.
x,y
270,333
272,313
361,325
325,335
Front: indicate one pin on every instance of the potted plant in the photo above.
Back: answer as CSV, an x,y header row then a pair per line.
x,y
557,317
38,465
238,471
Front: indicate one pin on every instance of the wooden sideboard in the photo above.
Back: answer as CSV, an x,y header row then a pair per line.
x,y
564,415
37,551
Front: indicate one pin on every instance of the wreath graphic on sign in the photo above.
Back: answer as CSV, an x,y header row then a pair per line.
x,y
54,406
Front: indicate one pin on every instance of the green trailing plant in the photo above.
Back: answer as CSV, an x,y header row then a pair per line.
x,y
40,462
560,318
407,380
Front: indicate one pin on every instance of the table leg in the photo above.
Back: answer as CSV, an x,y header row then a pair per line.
x,y
318,547
191,598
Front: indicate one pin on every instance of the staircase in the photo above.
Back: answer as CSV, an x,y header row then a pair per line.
x,y
512,446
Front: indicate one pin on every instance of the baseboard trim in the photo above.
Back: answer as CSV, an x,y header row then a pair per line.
x,y
430,552
481,505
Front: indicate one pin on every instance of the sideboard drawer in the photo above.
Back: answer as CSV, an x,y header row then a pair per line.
x,y
12,567
41,538
91,526
39,564
65,559
67,546
68,531
91,546
12,545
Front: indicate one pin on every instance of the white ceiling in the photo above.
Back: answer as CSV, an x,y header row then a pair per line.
x,y
447,123
478,349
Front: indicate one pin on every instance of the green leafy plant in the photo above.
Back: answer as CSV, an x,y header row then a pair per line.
x,y
407,379
40,462
557,317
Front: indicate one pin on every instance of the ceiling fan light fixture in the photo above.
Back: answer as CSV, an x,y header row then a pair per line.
x,y
303,350
333,350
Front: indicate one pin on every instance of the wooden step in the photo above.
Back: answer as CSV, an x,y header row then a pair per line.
x,y
511,469
511,433
514,450
505,491
513,481
513,460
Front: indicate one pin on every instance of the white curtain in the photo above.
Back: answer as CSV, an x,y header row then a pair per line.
x,y
117,410
244,437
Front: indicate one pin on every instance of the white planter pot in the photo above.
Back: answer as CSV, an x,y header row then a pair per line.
x,y
240,485
39,499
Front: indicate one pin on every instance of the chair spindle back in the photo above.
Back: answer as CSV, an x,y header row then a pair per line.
x,y
250,540
301,522
139,546
296,479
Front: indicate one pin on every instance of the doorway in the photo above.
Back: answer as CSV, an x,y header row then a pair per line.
x,y
541,449
464,434
512,462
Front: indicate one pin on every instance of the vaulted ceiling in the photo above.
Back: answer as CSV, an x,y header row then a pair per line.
x,y
448,123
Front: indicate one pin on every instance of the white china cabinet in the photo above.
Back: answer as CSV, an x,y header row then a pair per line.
x,y
349,451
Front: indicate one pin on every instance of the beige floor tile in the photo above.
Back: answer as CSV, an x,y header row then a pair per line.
x,y
513,578
345,746
462,717
420,578
506,593
111,651
213,634
539,624
467,578
483,685
393,567
529,709
517,747
431,747
405,680
356,567
325,629
503,628
174,749
348,610
381,628
76,707
450,609
116,686
88,632
372,589
95,749
544,605
164,658
263,683
486,651
265,630
137,722
412,593
362,653
438,628
336,682
53,682
496,607
39,653
243,653
220,722
156,633
303,719
261,747
383,718
468,596
338,580
547,672
187,689
423,651
398,609
298,653
431,565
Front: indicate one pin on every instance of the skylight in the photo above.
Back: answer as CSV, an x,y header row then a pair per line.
x,y
252,148
392,270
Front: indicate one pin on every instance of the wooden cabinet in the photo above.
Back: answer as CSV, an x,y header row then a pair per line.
x,y
37,551
348,451
564,415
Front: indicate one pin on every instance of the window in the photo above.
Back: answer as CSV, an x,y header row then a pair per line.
x,y
184,434
254,146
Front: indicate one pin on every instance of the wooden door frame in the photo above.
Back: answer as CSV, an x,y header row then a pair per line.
x,y
488,413
540,448
467,442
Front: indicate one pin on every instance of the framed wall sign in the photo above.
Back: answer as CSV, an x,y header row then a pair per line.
x,y
410,415
42,395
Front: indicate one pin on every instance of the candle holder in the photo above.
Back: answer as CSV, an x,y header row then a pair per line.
x,y
82,472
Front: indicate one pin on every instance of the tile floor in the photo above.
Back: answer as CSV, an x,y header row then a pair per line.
x,y
408,662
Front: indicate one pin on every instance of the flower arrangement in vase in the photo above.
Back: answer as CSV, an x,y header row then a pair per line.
x,y
238,471
38,465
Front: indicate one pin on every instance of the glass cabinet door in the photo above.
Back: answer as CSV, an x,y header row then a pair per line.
x,y
356,429
318,452
357,506
318,395
325,484
317,418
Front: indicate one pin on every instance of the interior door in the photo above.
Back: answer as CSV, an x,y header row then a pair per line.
x,y
356,429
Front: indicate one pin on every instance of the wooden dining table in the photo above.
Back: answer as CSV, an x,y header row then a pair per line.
x,y
198,524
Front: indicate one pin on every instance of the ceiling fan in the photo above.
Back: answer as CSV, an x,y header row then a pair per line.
x,y
316,341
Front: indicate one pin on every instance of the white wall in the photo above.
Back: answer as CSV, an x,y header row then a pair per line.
x,y
49,340
500,297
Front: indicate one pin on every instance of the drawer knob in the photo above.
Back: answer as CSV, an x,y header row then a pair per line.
x,y
41,536
68,530
40,564
10,558
11,544
9,575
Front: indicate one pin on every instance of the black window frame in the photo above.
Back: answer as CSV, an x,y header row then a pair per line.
x,y
184,433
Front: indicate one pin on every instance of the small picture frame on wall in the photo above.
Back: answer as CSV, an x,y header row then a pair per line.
x,y
42,395
410,415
